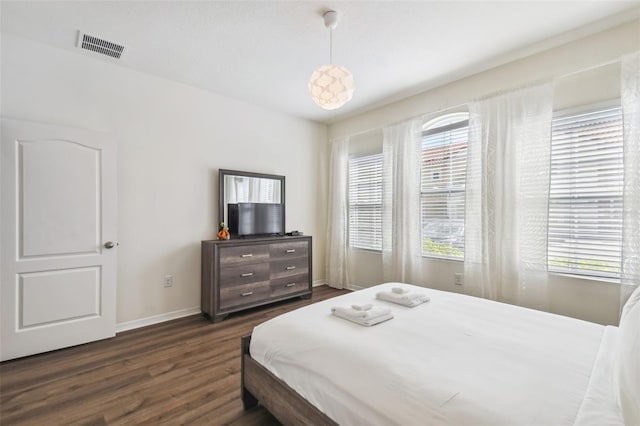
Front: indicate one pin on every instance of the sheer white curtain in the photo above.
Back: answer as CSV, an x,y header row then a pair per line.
x,y
507,191
337,214
631,150
401,153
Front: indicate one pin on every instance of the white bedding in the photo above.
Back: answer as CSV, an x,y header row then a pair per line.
x,y
456,360
599,406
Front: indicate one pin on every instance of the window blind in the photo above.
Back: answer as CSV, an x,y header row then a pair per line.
x,y
585,199
443,175
365,202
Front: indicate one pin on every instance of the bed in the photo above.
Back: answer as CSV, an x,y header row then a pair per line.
x,y
456,360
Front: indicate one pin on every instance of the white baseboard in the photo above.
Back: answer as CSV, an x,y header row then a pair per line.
x,y
318,283
324,282
155,319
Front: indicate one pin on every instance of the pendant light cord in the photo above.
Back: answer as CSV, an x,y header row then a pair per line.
x,y
331,46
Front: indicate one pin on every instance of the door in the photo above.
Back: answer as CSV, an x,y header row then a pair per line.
x,y
58,238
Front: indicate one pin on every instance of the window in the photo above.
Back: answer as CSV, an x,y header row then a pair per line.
x,y
585,198
442,183
365,202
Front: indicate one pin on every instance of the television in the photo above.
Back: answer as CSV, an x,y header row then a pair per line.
x,y
247,219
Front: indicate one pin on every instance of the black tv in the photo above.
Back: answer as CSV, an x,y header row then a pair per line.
x,y
254,219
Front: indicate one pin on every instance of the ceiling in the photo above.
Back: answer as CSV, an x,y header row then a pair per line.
x,y
263,52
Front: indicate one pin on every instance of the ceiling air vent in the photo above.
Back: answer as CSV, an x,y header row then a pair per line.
x,y
99,45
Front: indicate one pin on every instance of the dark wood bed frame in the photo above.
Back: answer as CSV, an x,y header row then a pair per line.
x,y
259,385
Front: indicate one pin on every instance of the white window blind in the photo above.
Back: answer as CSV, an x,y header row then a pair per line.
x,y
442,195
365,202
585,200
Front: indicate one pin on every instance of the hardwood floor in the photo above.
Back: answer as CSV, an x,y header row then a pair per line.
x,y
185,371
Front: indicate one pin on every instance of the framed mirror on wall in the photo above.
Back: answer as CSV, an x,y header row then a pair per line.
x,y
261,194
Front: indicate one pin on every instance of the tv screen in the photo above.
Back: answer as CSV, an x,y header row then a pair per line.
x,y
255,219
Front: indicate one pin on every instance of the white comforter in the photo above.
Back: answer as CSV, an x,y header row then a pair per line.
x,y
456,360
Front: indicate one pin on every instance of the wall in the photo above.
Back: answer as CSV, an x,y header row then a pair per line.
x,y
592,300
172,139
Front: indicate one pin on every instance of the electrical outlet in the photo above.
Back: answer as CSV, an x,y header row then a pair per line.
x,y
168,280
457,279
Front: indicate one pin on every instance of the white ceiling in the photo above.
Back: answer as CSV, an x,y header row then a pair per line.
x,y
263,52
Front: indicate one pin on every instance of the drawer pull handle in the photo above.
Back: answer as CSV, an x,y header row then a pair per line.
x,y
249,293
288,268
247,255
248,274
291,284
291,251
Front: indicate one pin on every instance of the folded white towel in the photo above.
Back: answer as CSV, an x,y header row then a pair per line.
x,y
362,307
400,290
367,322
346,311
406,299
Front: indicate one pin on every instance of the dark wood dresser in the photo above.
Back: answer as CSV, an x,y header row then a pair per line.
x,y
243,273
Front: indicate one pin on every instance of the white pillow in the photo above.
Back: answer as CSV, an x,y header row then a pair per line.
x,y
627,363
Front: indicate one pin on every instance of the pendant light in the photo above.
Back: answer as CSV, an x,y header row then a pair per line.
x,y
331,86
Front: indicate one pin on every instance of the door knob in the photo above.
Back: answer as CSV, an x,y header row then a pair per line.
x,y
109,245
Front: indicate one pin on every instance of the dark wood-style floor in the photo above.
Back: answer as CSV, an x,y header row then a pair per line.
x,y
185,371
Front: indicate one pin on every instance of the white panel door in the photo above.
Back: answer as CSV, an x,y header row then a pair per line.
x,y
58,246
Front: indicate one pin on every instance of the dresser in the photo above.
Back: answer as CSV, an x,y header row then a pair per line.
x,y
243,273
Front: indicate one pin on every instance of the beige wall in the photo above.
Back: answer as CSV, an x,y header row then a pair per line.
x,y
591,300
172,139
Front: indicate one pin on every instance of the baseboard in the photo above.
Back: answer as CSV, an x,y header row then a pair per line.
x,y
354,287
324,282
318,283
155,319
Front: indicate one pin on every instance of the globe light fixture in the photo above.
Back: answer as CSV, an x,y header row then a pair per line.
x,y
331,86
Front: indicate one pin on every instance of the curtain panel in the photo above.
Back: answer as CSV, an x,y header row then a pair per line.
x,y
630,99
401,154
507,191
337,215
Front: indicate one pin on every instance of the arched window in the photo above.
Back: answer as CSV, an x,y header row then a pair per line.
x,y
442,185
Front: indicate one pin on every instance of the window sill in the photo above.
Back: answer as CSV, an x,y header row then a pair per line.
x,y
440,259
365,250
445,259
586,277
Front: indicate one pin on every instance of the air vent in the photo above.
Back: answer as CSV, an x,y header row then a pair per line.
x,y
99,45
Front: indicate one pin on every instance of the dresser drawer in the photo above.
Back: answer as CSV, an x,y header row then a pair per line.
x,y
289,250
244,294
289,267
244,274
244,254
287,285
